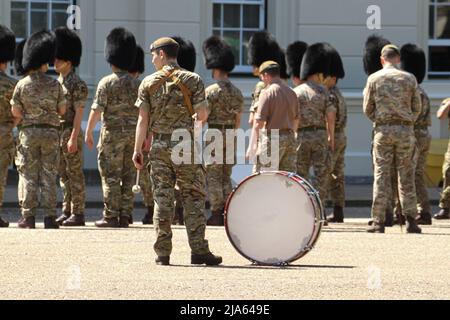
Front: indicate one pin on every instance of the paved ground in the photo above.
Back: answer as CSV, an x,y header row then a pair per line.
x,y
118,264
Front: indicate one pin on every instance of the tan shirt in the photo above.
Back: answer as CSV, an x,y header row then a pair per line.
x,y
278,107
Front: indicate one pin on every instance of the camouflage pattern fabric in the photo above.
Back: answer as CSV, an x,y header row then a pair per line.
x,y
260,86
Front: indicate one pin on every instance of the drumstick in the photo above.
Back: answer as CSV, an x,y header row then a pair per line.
x,y
137,187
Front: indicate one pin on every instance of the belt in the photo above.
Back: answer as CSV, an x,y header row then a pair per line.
x,y
39,126
306,129
122,128
221,126
394,123
66,125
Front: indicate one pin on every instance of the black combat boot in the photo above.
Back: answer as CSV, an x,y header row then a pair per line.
x,y
108,223
75,220
179,216
411,225
337,216
3,223
50,223
148,219
163,261
389,220
27,223
217,219
124,222
209,259
376,227
62,218
425,219
444,214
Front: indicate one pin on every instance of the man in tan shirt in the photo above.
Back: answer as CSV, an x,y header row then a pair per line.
x,y
278,118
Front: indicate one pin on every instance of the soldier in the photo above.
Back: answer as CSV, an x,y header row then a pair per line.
x,y
37,104
413,60
68,55
337,179
392,102
137,69
278,110
444,203
169,100
114,103
226,104
317,117
294,56
7,84
262,47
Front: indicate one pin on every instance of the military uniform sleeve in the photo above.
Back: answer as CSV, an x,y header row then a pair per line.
x,y
101,98
331,106
211,97
369,101
62,102
16,100
143,100
240,103
199,96
80,95
263,112
255,96
416,105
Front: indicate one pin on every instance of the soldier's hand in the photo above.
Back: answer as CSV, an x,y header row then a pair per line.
x,y
72,146
89,141
138,160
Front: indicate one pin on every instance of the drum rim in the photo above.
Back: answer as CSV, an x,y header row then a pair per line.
x,y
317,225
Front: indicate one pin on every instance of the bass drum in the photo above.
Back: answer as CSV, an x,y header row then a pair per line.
x,y
274,218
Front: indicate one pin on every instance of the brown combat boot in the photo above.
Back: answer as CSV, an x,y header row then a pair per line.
x,y
425,219
50,223
75,220
337,216
27,223
376,228
411,226
444,214
162,261
108,223
3,223
124,222
209,259
148,219
217,219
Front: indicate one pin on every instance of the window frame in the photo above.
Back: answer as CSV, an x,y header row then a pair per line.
x,y
433,42
241,68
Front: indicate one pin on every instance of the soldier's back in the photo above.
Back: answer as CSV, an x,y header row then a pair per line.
x,y
314,104
225,102
76,92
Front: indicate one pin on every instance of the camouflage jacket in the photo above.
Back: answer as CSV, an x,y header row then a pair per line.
x,y
424,120
7,85
115,98
341,108
164,100
225,102
38,97
260,86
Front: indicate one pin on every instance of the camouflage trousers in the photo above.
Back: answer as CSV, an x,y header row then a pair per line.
x,y
314,151
146,184
394,146
423,145
72,176
191,180
6,157
117,171
286,158
445,195
336,189
37,162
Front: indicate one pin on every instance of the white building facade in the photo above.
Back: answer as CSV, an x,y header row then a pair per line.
x,y
344,24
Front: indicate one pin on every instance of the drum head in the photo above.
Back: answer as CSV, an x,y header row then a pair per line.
x,y
271,219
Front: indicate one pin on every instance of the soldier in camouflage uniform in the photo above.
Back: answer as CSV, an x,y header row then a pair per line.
x,y
226,104
114,103
136,70
7,84
336,190
394,109
444,203
165,101
68,55
37,103
317,118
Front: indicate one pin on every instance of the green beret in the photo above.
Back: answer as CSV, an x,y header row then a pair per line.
x,y
163,42
268,65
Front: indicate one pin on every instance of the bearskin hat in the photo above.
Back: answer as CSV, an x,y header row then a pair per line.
x,y
39,49
372,53
414,61
7,44
187,55
294,56
120,48
68,45
218,54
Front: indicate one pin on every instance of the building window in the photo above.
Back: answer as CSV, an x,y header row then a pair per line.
x,y
30,16
236,21
439,43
